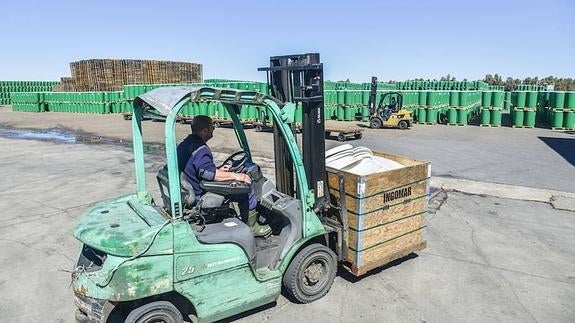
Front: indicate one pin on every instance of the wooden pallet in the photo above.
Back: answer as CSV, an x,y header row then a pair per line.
x,y
490,125
561,128
527,127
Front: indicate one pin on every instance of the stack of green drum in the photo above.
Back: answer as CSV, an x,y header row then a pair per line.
x,y
27,101
76,102
7,87
433,106
523,109
463,107
491,105
560,114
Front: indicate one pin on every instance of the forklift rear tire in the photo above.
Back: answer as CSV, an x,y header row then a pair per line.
x,y
311,273
160,311
402,125
341,137
217,124
259,128
375,123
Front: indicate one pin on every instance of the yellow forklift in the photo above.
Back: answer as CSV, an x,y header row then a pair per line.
x,y
387,114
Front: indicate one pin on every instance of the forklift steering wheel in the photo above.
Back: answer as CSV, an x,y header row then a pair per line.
x,y
236,162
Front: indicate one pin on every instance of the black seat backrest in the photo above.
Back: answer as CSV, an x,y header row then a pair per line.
x,y
186,189
188,194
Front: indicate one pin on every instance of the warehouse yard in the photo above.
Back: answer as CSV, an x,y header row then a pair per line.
x,y
500,221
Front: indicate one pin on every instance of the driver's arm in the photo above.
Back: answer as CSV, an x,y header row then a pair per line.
x,y
207,170
222,175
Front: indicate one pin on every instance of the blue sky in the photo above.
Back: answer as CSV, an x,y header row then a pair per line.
x,y
396,40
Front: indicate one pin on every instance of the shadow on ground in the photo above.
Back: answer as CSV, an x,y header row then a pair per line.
x,y
563,146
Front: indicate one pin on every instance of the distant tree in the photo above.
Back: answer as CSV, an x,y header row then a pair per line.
x,y
488,79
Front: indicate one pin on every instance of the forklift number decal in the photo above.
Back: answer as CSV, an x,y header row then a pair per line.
x,y
188,270
320,191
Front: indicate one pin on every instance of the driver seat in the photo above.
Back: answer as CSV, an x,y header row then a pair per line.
x,y
208,200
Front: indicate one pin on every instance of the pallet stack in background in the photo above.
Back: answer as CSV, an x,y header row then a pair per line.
x,y
113,74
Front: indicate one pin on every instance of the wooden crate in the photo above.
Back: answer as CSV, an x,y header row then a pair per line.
x,y
385,212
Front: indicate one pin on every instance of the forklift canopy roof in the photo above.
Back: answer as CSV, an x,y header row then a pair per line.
x,y
165,99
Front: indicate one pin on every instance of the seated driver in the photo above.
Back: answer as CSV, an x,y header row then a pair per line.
x,y
194,153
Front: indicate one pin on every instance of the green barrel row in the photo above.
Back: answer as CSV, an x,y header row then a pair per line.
x,y
490,117
492,99
76,102
442,85
559,119
529,87
557,109
522,117
463,107
7,87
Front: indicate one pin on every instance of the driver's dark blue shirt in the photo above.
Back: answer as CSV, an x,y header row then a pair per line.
x,y
195,159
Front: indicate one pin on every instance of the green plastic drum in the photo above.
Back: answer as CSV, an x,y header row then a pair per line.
x,y
485,116
348,113
348,98
486,99
421,114
496,117
364,113
432,115
340,113
521,99
464,98
432,99
452,116
530,117
497,99
453,98
422,98
365,97
462,116
556,118
518,117
559,100
531,99
569,119
340,97
569,100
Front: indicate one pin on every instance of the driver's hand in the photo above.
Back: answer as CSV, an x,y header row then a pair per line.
x,y
243,177
226,168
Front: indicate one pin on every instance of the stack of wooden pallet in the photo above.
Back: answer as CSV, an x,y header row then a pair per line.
x,y
113,74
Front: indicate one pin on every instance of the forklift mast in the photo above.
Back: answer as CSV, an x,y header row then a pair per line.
x,y
372,95
299,79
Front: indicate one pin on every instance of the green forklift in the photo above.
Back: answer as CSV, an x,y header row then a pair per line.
x,y
191,259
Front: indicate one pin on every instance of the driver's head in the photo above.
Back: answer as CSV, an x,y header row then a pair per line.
x,y
203,127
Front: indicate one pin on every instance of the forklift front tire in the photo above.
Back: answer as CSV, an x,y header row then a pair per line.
x,y
375,123
160,311
402,125
311,273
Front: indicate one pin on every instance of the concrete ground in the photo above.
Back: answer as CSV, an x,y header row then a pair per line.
x,y
500,224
